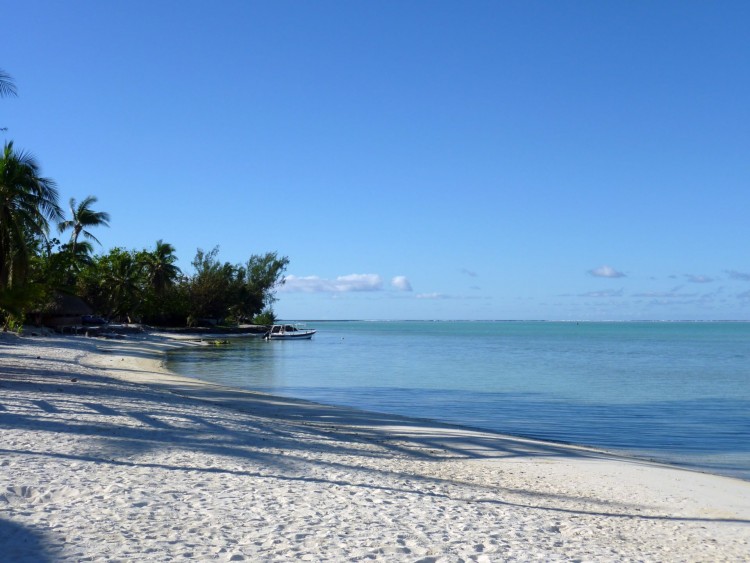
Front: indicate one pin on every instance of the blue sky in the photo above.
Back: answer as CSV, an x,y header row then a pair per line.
x,y
414,160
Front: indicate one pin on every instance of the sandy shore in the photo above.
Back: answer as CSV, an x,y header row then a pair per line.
x,y
105,456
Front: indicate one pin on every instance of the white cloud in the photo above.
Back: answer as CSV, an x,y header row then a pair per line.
x,y
342,284
401,283
431,296
606,272
359,282
307,284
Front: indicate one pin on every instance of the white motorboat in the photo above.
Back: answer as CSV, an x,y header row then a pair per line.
x,y
289,332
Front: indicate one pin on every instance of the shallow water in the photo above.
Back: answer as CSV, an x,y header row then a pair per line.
x,y
674,392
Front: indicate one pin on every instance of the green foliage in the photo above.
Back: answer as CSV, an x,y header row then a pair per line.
x,y
11,322
164,297
265,272
135,285
212,289
28,202
83,217
122,284
225,292
266,318
16,301
113,284
159,264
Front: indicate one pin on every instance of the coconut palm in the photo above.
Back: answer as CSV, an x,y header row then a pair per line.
x,y
81,256
28,202
160,267
121,282
82,217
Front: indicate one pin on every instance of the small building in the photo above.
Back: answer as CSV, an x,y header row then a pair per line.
x,y
63,310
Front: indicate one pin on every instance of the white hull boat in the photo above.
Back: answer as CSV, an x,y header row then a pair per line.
x,y
289,332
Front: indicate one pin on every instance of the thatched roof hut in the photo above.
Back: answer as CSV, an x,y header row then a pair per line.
x,y
63,309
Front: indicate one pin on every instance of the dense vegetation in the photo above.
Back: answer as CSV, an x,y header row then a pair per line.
x,y
127,285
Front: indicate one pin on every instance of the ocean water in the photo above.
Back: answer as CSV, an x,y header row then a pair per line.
x,y
671,392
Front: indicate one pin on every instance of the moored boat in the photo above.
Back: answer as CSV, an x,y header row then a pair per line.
x,y
289,332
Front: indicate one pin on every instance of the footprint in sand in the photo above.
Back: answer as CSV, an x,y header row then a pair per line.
x,y
16,494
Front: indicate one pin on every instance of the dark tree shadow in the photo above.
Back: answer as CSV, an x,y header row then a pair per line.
x,y
22,544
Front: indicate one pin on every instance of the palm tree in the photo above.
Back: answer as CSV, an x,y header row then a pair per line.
x,y
81,256
82,217
121,283
160,267
27,203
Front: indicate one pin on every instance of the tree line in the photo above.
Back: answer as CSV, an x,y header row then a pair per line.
x,y
128,285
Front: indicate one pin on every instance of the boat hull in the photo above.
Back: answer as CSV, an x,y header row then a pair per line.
x,y
296,335
306,336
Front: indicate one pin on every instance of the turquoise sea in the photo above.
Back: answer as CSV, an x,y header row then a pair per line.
x,y
677,392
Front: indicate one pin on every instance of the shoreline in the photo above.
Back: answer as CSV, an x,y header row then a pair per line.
x,y
176,465
686,448
254,399
410,420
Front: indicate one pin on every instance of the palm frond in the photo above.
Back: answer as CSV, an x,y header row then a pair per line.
x,y
83,216
88,235
28,202
7,87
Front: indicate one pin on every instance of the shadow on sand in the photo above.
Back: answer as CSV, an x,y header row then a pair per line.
x,y
22,544
128,420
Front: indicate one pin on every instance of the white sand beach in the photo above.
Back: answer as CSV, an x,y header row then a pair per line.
x,y
105,456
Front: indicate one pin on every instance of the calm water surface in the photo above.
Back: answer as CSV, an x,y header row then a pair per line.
x,y
675,392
